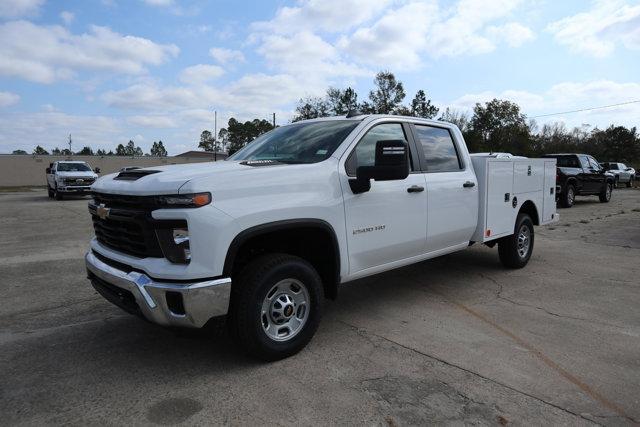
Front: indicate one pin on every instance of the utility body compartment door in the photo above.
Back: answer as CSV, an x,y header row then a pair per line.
x,y
499,196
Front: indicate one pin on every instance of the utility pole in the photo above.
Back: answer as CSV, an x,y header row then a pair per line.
x,y
70,152
274,120
215,135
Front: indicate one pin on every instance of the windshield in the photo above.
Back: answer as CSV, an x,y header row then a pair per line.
x,y
298,143
73,167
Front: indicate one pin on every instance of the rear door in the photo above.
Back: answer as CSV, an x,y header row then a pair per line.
x,y
452,187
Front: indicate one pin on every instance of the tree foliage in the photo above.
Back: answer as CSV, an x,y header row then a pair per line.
x,y
19,152
421,106
240,134
388,94
158,150
40,151
206,140
128,150
86,151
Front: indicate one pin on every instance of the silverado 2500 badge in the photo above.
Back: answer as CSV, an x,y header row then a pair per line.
x,y
369,229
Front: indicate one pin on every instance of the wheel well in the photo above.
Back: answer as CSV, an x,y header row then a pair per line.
x,y
530,209
312,240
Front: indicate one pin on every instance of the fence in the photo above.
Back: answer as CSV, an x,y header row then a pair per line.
x,y
29,170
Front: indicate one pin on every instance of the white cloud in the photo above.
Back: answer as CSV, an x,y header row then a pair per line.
x,y
153,97
224,56
17,8
7,99
45,54
402,37
599,30
51,129
160,3
569,96
512,33
157,122
67,17
323,15
200,73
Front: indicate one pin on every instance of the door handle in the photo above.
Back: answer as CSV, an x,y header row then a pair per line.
x,y
469,184
415,189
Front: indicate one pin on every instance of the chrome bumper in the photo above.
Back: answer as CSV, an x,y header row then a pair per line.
x,y
200,300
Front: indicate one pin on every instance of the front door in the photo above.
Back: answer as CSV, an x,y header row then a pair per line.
x,y
386,223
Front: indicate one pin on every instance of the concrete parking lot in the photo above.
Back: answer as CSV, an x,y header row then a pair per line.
x,y
457,339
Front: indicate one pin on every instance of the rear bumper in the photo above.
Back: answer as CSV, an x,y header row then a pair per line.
x,y
169,304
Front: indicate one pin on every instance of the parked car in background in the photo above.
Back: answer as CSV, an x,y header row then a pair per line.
x,y
69,177
580,175
622,173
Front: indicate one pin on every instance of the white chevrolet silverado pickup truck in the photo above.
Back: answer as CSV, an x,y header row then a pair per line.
x,y
69,177
265,236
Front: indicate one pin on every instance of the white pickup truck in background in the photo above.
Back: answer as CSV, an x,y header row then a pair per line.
x,y
69,177
265,236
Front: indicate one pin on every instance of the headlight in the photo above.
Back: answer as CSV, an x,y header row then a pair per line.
x,y
195,200
174,242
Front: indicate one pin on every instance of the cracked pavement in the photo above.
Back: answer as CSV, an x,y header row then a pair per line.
x,y
454,340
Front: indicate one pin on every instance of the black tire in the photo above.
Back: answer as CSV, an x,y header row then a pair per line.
x,y
49,192
56,194
512,254
246,319
568,197
630,183
605,196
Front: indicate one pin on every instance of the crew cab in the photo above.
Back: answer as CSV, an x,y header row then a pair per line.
x,y
581,175
264,237
69,177
621,173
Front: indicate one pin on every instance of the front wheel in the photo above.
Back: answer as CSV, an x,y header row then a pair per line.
x,y
515,250
276,306
630,183
56,194
605,196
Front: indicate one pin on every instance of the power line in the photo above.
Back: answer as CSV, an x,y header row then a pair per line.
x,y
587,109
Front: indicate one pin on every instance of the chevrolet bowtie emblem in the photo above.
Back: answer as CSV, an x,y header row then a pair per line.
x,y
102,211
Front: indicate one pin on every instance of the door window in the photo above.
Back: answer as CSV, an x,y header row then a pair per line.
x,y
593,164
584,161
365,152
439,149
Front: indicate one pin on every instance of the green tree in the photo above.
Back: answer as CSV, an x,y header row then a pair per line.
x,y
101,152
56,151
129,150
340,102
458,118
223,138
206,141
120,150
157,149
86,151
311,107
19,152
499,126
241,134
422,107
388,94
40,151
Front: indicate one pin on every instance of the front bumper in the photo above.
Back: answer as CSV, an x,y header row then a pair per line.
x,y
170,304
74,189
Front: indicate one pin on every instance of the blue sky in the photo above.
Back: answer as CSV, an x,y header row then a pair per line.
x,y
113,70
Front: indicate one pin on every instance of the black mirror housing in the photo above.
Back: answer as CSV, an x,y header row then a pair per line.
x,y
97,170
48,170
391,163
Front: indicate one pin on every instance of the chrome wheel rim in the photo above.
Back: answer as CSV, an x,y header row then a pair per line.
x,y
285,310
570,196
608,195
524,241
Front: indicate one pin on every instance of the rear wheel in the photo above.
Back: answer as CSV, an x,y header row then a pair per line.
x,y
515,250
605,196
276,306
568,197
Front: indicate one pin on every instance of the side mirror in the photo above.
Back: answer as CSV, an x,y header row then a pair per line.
x,y
97,170
48,170
391,163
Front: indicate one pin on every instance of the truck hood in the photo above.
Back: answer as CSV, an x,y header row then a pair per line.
x,y
83,174
170,179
